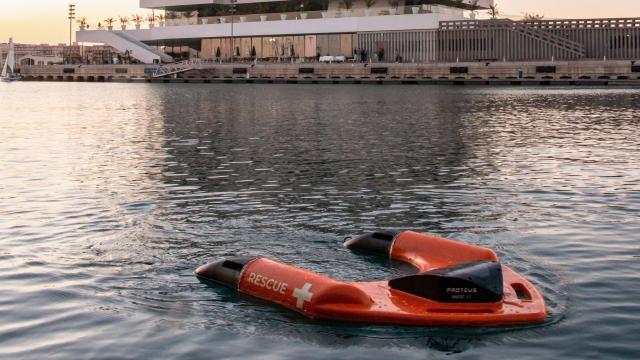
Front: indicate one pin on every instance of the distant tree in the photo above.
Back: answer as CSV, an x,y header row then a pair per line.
x,y
283,6
532,16
348,4
304,4
474,7
137,19
262,8
369,3
494,11
83,22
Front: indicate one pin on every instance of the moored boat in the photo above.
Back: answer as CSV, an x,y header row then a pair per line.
x,y
8,70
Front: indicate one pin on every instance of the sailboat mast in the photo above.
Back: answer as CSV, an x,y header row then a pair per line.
x,y
10,62
6,64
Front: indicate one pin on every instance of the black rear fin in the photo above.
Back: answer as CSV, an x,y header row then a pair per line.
x,y
475,282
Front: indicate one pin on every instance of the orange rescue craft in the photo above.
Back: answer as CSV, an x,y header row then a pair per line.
x,y
457,284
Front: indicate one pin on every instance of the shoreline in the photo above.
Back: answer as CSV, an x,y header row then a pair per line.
x,y
542,73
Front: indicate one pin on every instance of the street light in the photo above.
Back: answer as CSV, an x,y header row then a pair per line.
x,y
72,16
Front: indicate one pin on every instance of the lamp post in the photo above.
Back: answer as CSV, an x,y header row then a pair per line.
x,y
72,16
233,40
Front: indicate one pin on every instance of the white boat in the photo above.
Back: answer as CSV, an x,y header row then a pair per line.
x,y
8,70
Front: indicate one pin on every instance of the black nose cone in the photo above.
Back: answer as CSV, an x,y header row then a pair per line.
x,y
226,272
378,242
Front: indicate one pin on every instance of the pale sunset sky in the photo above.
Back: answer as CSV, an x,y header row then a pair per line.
x,y
44,21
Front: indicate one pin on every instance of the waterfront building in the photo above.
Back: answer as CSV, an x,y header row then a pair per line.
x,y
45,54
275,29
34,54
381,30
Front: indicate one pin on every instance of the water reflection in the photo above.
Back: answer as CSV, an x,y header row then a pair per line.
x,y
281,155
112,195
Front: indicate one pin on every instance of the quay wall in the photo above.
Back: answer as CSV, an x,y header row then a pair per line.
x,y
580,72
85,72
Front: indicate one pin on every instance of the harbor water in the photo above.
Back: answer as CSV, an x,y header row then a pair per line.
x,y
112,194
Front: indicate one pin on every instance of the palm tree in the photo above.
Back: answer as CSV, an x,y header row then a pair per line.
x,y
124,21
457,3
110,22
160,18
137,19
83,23
187,15
261,8
474,8
348,4
494,11
368,4
532,16
151,19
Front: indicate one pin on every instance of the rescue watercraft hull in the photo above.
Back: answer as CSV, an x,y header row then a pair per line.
x,y
457,285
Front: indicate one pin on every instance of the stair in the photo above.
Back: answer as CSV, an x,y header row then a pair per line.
x,y
567,46
163,57
125,43
570,46
182,66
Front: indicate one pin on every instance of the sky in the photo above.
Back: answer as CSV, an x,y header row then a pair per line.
x,y
45,21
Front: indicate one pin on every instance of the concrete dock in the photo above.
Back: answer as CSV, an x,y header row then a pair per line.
x,y
583,73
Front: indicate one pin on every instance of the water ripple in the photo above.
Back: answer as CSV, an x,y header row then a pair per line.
x,y
111,195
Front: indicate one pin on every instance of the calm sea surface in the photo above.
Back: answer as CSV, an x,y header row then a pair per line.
x,y
111,195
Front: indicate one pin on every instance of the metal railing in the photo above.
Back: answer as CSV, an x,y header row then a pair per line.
x,y
555,40
526,28
584,23
182,66
545,24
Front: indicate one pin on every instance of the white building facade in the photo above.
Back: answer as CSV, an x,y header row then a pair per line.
x,y
298,30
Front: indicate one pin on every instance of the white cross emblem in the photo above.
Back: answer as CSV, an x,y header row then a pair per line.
x,y
302,295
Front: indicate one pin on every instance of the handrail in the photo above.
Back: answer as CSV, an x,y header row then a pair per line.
x,y
163,56
520,26
559,41
545,24
182,66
